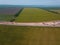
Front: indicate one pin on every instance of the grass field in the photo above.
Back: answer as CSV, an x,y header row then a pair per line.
x,y
13,35
6,17
36,15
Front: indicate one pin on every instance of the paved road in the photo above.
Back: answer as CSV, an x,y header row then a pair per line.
x,y
49,24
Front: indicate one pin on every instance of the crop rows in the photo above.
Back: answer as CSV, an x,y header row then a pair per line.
x,y
9,11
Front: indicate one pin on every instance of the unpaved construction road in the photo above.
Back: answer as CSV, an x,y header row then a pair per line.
x,y
47,24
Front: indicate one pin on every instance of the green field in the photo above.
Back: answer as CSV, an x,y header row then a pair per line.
x,y
6,17
14,35
36,15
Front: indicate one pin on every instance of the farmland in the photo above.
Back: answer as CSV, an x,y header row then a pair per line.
x,y
28,35
55,10
36,15
27,15
8,13
15,35
58,11
6,17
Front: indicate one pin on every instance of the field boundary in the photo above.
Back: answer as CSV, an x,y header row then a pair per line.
x,y
16,15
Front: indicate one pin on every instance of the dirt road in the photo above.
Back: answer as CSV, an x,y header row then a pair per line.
x,y
49,24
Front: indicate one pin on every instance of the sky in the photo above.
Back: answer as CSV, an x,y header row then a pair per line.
x,y
30,2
